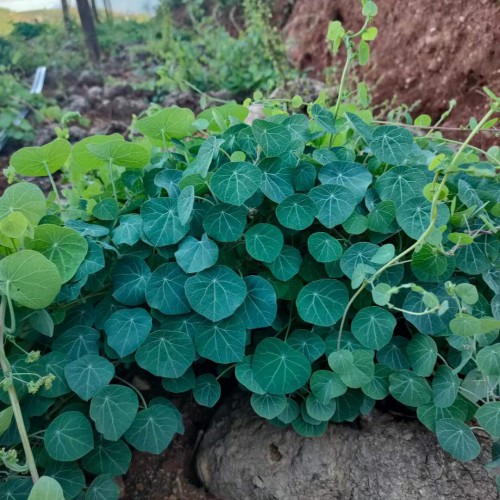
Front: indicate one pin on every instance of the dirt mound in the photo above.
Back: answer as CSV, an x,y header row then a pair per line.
x,y
429,51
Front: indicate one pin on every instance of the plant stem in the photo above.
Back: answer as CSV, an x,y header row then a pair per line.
x,y
343,79
423,236
52,182
112,179
16,408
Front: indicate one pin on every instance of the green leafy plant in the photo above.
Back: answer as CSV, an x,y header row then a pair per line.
x,y
327,261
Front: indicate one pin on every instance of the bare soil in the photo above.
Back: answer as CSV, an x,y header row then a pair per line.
x,y
426,51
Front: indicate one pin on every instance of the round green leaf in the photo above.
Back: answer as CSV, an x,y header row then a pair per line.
x,y
324,248
357,255
322,302
108,457
30,279
488,360
106,209
165,290
225,222
414,216
296,211
167,124
290,413
260,305
445,387
334,203
127,329
121,153
216,293
161,222
88,374
359,371
62,246
166,353
278,368
77,342
222,342
326,385
181,384
378,387
103,488
185,203
244,375
373,327
25,198
457,439
276,179
196,255
391,144
129,230
264,242
422,353
69,476
319,410
268,405
45,488
39,161
274,138
287,264
308,343
153,429
130,280
410,389
351,175
207,390
234,183
488,417
113,410
69,437
14,225
401,183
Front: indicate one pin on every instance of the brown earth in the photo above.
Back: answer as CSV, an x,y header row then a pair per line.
x,y
427,51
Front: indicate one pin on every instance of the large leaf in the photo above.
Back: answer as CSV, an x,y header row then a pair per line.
x,y
216,293
274,139
287,264
422,353
278,368
77,341
68,475
276,179
457,439
127,329
234,183
196,255
39,161
353,176
410,389
414,216
264,242
161,222
207,390
113,409
225,222
327,385
488,417
268,405
259,307
88,374
445,387
108,457
121,153
400,184
296,211
391,144
30,279
324,248
103,488
46,488
62,246
153,429
130,280
244,375
322,302
165,290
25,198
223,341
373,327
69,437
166,353
168,124
335,204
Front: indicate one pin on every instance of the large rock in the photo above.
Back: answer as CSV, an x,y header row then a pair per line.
x,y
242,457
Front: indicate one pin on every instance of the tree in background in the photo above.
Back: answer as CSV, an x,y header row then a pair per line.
x,y
109,10
95,12
88,26
66,17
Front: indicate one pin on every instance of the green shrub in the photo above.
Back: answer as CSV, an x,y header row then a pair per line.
x,y
326,262
27,31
